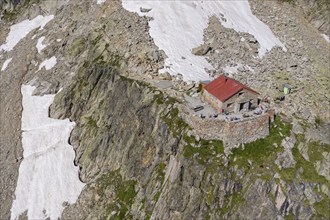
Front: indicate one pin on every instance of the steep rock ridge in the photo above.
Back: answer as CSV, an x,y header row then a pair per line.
x,y
154,168
132,172
317,12
138,158
8,4
147,154
305,66
104,105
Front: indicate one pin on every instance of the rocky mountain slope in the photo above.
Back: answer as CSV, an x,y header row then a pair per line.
x,y
138,158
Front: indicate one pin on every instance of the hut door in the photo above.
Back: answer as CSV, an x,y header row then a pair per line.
x,y
244,106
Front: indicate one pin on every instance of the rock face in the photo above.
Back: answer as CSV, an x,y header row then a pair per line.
x,y
104,105
144,170
138,157
317,12
285,159
151,168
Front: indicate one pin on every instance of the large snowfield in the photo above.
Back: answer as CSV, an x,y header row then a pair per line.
x,y
177,27
47,175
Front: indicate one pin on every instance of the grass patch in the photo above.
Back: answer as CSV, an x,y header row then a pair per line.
x,y
90,122
9,15
76,47
174,122
159,99
290,216
28,3
318,121
315,149
156,196
262,152
231,202
161,172
124,195
309,174
210,195
323,209
288,1
204,150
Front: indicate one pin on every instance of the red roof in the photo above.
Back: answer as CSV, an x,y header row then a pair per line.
x,y
224,87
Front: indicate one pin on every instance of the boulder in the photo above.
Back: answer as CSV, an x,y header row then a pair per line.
x,y
145,10
201,50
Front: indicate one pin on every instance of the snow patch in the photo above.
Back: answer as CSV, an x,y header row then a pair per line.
x,y
178,27
48,64
100,1
326,37
20,30
39,45
47,175
5,64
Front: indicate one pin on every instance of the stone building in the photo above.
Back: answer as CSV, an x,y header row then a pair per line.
x,y
228,95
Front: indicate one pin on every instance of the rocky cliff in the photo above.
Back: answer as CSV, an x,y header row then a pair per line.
x,y
153,168
138,157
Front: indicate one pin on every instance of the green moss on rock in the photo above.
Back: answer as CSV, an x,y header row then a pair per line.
x,y
76,47
124,195
202,150
262,152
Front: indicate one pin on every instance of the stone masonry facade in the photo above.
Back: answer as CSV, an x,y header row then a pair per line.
x,y
235,103
230,132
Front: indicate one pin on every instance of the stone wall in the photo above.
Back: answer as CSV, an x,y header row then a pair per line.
x,y
236,100
230,132
246,131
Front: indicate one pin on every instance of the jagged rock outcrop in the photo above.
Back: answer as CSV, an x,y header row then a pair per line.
x,y
317,12
138,158
152,168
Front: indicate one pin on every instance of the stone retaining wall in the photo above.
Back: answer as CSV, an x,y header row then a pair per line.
x,y
230,132
246,131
